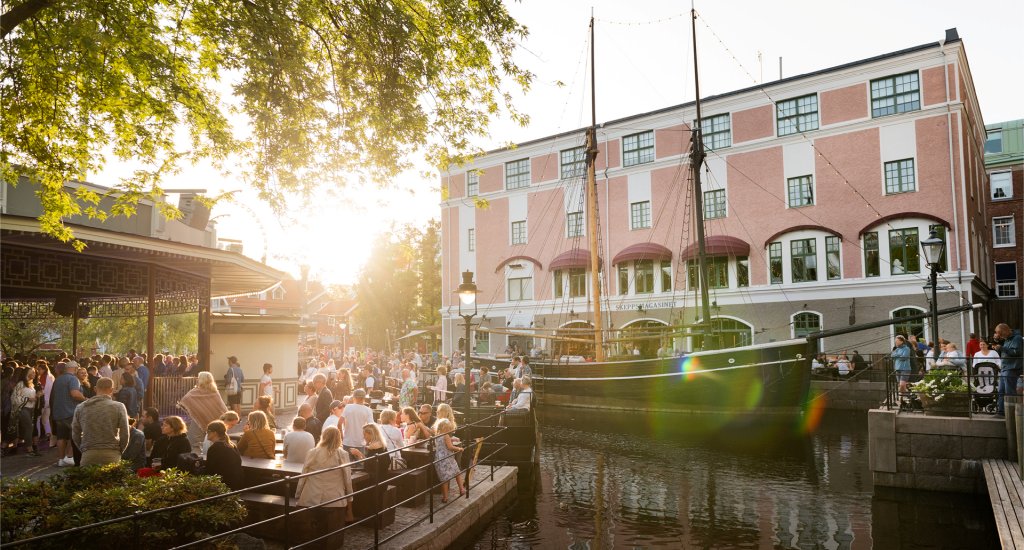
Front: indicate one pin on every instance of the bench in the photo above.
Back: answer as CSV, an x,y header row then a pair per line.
x,y
363,506
1006,491
301,527
413,483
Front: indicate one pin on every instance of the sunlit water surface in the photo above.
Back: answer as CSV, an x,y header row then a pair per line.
x,y
647,480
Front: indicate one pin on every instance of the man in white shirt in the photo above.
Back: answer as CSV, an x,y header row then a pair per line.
x,y
369,381
334,419
522,400
356,416
298,442
266,383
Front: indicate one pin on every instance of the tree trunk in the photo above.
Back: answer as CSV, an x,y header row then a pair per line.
x,y
20,13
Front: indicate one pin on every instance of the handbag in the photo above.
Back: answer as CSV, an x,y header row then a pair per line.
x,y
191,463
397,463
233,386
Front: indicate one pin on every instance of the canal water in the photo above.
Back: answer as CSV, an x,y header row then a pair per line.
x,y
612,479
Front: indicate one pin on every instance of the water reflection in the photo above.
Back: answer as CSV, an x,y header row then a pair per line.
x,y
631,480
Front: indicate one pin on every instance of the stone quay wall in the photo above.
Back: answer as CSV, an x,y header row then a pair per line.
x,y
935,453
848,395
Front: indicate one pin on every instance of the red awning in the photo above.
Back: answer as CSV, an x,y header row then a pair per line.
x,y
643,251
573,259
718,245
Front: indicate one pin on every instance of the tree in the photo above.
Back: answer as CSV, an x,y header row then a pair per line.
x,y
24,336
297,93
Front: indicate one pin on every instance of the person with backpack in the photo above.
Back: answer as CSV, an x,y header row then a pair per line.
x,y
234,378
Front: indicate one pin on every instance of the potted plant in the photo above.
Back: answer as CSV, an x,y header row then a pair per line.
x,y
943,393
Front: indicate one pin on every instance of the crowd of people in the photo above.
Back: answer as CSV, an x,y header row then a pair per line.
x,y
912,358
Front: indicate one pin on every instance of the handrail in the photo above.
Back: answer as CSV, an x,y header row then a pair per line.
x,y
288,483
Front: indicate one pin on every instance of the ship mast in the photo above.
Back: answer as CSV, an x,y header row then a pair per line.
x,y
595,273
696,163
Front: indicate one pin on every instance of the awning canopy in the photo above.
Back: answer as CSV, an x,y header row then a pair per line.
x,y
432,330
573,259
643,251
718,245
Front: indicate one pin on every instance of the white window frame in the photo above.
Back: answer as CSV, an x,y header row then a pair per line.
x,y
471,239
472,183
1007,190
797,115
718,129
524,235
999,285
633,219
807,179
639,155
522,177
576,167
720,205
570,225
999,221
523,287
885,180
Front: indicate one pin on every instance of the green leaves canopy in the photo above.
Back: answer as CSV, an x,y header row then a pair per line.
x,y
297,93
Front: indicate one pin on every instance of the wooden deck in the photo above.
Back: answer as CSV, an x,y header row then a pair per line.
x,y
1006,491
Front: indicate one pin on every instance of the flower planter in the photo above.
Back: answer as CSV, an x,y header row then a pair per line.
x,y
950,404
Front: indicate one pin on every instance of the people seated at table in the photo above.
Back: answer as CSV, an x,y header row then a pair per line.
x,y
135,453
392,433
327,486
460,397
843,365
525,396
486,395
265,403
376,449
445,412
951,358
230,420
222,458
173,442
444,457
258,440
416,428
298,442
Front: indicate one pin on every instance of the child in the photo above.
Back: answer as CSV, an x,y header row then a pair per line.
x,y
444,455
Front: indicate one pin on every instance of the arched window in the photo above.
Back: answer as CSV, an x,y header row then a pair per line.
x,y
906,328
645,335
732,332
573,332
807,322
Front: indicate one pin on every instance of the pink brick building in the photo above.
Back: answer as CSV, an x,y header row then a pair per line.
x,y
817,189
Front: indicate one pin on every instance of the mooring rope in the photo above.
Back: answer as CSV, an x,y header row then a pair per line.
x,y
664,374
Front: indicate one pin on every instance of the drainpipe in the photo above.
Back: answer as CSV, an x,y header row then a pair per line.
x,y
952,187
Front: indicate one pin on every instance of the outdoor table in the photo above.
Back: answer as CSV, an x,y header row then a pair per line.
x,y
416,456
257,471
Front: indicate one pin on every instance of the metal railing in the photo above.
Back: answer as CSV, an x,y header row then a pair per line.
x,y
289,483
980,396
168,390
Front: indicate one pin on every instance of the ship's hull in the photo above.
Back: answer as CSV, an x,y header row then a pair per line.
x,y
752,380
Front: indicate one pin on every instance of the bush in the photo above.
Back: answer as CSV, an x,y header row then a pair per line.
x,y
939,382
83,496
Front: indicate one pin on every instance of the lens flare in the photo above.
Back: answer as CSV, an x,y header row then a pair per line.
x,y
689,366
813,411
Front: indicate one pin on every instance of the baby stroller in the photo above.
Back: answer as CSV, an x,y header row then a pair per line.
x,y
984,386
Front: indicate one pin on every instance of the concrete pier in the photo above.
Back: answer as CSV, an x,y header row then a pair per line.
x,y
848,395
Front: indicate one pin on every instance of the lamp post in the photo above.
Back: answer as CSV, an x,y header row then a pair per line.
x,y
467,310
933,248
344,339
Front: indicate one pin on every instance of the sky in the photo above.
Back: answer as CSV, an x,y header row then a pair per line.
x,y
644,62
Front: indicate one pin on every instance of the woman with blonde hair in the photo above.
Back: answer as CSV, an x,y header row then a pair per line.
x,y
203,404
445,412
327,486
258,440
266,404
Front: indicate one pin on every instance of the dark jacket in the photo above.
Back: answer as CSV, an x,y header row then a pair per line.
x,y
167,449
129,397
323,404
314,426
460,400
223,460
1011,352
136,451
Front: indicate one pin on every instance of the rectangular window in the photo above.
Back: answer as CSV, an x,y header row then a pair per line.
x,y
519,232
994,142
1002,185
574,224
716,131
644,279
1003,231
940,232
872,261
472,183
640,215
559,284
666,276
714,204
573,162
804,260
623,278
904,251
742,271
718,272
775,262
483,341
638,148
520,288
577,283
895,94
899,177
471,239
800,191
797,115
517,174
1006,280
833,255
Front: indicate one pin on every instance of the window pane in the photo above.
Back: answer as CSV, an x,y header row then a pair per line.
x,y
638,148
577,283
472,183
640,215
644,279
804,260
833,257
797,115
517,174
904,252
666,276
1006,280
714,204
716,131
800,191
907,328
899,176
940,232
1003,233
471,239
871,259
623,279
742,271
895,94
573,162
775,262
806,323
574,224
1002,187
519,232
559,284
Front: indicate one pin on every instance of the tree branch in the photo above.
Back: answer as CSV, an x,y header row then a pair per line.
x,y
20,13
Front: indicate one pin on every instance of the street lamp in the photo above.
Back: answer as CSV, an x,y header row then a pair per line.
x,y
344,339
467,310
933,248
